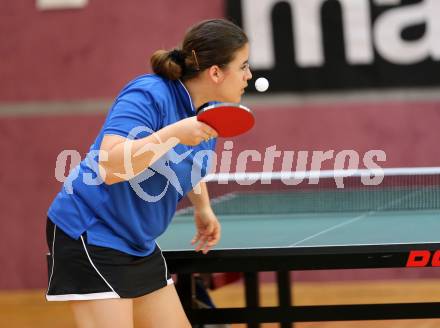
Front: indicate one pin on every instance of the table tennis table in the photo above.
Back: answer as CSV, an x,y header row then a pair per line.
x,y
391,226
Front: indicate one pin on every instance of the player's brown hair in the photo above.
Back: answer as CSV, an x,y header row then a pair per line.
x,y
210,42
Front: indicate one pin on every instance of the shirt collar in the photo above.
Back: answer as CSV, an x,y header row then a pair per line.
x,y
187,97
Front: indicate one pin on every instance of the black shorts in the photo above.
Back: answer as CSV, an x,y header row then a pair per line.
x,y
78,271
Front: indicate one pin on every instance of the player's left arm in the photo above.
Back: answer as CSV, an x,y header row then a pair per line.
x,y
208,228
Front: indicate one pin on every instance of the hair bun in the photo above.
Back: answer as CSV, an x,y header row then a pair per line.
x,y
178,56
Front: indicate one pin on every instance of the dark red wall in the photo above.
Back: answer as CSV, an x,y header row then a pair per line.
x,y
90,52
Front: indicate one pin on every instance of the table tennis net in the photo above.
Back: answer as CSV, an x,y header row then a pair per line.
x,y
323,191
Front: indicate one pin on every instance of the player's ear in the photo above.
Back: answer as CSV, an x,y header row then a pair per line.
x,y
216,74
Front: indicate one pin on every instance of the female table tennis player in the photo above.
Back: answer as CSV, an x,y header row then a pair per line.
x,y
101,236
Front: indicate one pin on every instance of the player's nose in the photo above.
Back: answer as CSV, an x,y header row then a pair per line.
x,y
248,74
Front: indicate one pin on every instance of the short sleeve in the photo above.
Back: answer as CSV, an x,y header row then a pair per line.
x,y
134,115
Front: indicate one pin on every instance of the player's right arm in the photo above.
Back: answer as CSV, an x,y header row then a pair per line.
x,y
138,155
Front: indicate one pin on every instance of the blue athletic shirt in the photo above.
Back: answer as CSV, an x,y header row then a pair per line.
x,y
130,215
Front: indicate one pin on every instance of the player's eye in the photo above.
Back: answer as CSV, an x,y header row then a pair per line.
x,y
245,67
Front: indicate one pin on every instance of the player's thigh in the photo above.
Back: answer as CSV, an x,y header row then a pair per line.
x,y
107,313
160,309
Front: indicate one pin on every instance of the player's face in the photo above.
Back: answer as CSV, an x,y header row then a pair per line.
x,y
235,76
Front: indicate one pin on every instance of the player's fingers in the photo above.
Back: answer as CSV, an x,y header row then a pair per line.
x,y
217,232
216,236
208,230
202,243
200,246
197,243
212,133
207,248
211,242
202,136
196,238
207,128
205,236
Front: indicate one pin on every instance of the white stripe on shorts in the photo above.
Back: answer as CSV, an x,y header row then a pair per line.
x,y
169,281
53,257
82,297
96,269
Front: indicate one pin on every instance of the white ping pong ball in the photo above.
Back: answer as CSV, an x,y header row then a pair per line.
x,y
261,84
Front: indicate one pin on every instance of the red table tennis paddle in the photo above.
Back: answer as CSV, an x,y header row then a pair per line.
x,y
228,119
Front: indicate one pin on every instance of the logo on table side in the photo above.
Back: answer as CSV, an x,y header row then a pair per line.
x,y
423,258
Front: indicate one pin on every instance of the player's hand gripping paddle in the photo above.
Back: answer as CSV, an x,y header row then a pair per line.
x,y
228,119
